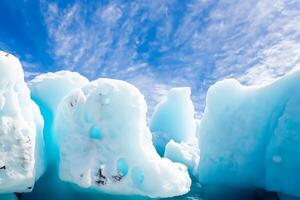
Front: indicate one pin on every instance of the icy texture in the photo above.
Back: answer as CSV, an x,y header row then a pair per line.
x,y
21,125
173,118
250,136
50,88
184,153
105,144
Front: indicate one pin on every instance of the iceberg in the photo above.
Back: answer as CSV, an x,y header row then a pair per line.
x,y
48,90
250,136
94,139
114,154
105,145
174,127
173,118
21,126
187,154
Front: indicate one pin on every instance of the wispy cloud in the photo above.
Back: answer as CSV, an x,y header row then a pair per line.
x,y
30,75
162,44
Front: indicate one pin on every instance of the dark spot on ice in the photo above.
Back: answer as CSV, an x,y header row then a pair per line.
x,y
73,103
100,182
3,167
81,175
7,54
118,177
101,178
19,196
29,188
28,140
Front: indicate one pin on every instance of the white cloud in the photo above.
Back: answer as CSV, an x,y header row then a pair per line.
x,y
162,44
111,13
29,75
257,37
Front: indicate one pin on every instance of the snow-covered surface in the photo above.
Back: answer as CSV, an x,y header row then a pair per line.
x,y
173,118
21,125
105,144
187,154
250,136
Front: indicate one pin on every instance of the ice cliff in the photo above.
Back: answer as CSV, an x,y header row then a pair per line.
x,y
48,90
250,136
21,125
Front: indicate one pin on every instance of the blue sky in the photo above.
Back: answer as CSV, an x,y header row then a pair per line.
x,y
156,45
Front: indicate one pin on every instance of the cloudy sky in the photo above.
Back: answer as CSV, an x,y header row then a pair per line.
x,y
156,45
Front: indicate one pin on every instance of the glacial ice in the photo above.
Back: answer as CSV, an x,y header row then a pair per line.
x,y
21,125
50,88
131,177
187,154
250,136
173,118
173,128
97,139
105,144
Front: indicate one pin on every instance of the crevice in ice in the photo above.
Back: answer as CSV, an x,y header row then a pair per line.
x,y
272,124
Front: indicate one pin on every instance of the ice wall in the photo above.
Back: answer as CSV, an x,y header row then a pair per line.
x,y
105,144
173,118
48,90
21,125
250,136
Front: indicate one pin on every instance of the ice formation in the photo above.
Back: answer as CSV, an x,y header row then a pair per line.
x,y
48,90
173,118
105,144
97,138
250,136
98,156
21,125
187,154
